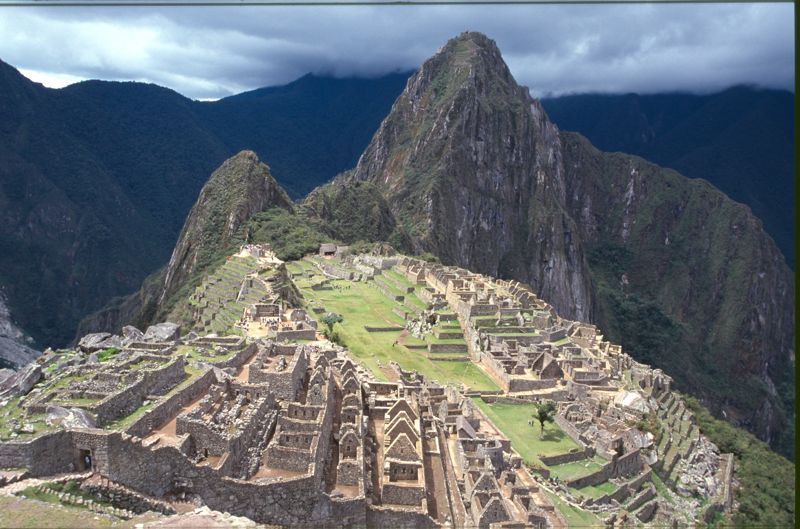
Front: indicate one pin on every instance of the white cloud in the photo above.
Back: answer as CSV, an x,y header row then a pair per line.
x,y
213,52
51,80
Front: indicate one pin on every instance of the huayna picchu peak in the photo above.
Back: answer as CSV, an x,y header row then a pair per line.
x,y
483,321
476,174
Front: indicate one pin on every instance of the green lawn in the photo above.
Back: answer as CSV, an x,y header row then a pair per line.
x,y
512,420
363,304
575,516
398,278
577,469
596,491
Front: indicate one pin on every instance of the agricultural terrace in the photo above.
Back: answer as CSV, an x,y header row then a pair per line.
x,y
363,304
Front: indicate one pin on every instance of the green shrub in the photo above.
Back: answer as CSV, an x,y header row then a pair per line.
x,y
107,354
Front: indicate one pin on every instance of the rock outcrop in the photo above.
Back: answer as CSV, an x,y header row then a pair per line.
x,y
240,188
98,341
163,332
471,166
21,382
69,417
15,349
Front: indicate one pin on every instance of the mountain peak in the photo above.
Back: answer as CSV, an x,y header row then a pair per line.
x,y
245,156
241,187
471,56
474,40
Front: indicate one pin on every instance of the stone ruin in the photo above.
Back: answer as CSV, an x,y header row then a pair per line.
x,y
301,435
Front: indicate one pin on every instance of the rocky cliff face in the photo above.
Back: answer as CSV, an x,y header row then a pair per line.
x,y
681,275
688,279
473,171
15,350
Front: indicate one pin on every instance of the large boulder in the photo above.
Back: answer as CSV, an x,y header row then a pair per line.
x,y
90,343
98,341
69,417
131,334
163,332
21,382
5,374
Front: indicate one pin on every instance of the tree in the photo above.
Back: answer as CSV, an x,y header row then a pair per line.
x,y
544,413
331,319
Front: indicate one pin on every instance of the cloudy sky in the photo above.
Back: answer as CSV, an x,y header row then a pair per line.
x,y
211,52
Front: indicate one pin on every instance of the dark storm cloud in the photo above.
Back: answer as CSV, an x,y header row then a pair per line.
x,y
213,52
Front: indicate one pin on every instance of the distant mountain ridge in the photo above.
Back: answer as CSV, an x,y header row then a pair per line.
x,y
741,140
98,177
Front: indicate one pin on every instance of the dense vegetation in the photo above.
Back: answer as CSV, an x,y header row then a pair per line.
x,y
741,140
97,178
290,236
766,479
354,211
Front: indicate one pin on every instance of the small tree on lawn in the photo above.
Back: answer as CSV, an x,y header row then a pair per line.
x,y
331,319
544,413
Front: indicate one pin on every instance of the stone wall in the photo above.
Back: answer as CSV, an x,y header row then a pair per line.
x,y
348,512
568,457
46,454
291,501
569,429
516,383
129,399
380,517
284,384
604,473
304,334
447,348
402,494
644,496
168,409
237,360
350,471
624,465
628,464
388,328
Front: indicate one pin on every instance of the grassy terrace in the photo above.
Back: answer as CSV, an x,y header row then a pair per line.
x,y
362,304
192,373
575,516
15,412
577,469
512,420
399,279
195,355
596,491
